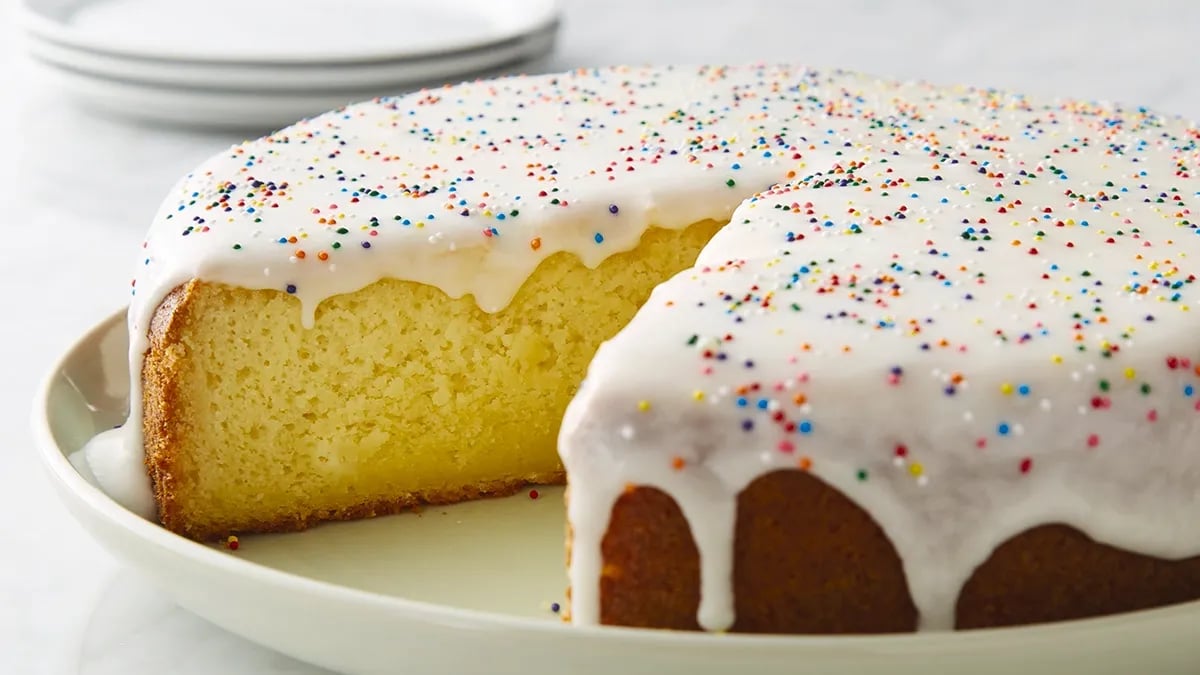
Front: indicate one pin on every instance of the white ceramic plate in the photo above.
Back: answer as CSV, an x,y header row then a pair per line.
x,y
283,31
464,589
239,109
281,79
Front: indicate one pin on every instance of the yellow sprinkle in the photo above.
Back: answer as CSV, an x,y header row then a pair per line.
x,y
1006,389
1056,358
916,469
1130,373
643,405
698,395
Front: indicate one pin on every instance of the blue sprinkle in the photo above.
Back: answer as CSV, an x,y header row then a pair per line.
x,y
742,402
1023,390
1002,428
805,427
599,238
763,403
1188,390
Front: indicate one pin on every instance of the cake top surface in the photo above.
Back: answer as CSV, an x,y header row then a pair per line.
x,y
469,187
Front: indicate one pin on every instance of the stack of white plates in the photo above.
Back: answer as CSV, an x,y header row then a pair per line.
x,y
265,63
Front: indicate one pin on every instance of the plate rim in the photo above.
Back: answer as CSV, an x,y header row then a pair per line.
x,y
32,21
55,462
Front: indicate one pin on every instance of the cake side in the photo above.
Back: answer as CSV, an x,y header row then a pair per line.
x,y
396,396
808,561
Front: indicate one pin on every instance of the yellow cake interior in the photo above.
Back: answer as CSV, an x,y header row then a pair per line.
x,y
398,395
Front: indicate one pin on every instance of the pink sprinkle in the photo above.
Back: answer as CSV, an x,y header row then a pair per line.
x,y
1152,416
786,446
1093,440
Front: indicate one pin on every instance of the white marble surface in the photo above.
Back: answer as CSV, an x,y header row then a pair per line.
x,y
76,192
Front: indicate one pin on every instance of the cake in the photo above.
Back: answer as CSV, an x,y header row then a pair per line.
x,y
814,351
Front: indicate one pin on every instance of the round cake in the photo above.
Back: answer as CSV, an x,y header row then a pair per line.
x,y
814,351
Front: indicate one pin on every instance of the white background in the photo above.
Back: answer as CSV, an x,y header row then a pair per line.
x,y
76,193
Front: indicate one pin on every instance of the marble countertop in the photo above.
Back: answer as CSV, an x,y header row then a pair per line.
x,y
76,192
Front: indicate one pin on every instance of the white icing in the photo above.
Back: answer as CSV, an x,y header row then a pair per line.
x,y
699,141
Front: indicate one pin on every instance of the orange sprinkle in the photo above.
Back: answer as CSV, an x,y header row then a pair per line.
x,y
535,243
800,399
677,463
300,254
805,463
322,255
